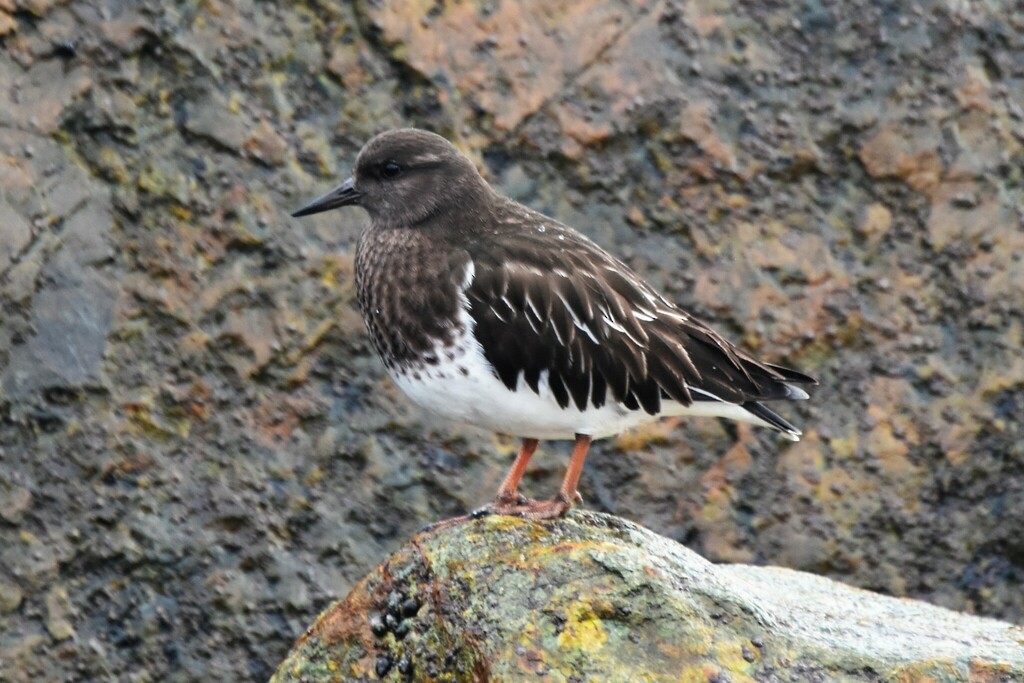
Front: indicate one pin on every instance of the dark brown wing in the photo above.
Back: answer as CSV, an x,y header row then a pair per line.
x,y
547,299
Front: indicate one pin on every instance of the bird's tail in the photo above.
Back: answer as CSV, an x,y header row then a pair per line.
x,y
770,418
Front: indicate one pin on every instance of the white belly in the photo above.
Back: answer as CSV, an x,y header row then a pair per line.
x,y
463,387
467,390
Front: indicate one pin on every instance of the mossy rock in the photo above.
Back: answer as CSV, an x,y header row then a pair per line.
x,y
594,598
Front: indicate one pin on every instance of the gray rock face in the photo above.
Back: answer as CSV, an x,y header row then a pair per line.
x,y
595,598
60,298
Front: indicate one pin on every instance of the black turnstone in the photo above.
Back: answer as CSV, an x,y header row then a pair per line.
x,y
487,312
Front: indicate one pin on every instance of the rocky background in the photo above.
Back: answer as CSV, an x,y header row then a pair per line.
x,y
198,449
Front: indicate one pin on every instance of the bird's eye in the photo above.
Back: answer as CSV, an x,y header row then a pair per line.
x,y
391,170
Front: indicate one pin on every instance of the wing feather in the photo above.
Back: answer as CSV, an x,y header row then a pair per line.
x,y
582,321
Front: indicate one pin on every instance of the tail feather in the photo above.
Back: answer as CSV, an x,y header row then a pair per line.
x,y
795,393
707,404
772,419
790,375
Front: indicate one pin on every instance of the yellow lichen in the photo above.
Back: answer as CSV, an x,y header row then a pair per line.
x,y
583,629
729,655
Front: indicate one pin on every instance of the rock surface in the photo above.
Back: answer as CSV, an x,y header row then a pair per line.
x,y
594,598
198,449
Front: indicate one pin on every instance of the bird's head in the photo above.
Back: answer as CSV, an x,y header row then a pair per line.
x,y
404,177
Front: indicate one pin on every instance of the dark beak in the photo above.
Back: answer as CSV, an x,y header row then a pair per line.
x,y
345,194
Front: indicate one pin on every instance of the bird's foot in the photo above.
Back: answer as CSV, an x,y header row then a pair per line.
x,y
506,500
513,506
442,524
528,508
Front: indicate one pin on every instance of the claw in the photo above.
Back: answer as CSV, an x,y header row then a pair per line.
x,y
532,509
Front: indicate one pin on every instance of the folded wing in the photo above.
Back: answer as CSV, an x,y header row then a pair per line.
x,y
583,322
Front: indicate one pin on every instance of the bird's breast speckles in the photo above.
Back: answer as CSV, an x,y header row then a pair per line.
x,y
408,296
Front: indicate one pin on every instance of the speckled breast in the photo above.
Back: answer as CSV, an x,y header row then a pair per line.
x,y
406,284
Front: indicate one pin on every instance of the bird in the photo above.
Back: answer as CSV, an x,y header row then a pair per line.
x,y
487,312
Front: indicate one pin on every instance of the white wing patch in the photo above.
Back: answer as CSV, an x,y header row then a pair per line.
x,y
533,309
606,316
644,315
576,319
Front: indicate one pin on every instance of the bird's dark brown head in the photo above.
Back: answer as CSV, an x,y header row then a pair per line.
x,y
404,177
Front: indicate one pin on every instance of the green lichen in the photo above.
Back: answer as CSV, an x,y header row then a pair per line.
x,y
591,597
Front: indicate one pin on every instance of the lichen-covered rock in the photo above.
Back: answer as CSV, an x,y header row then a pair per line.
x,y
594,598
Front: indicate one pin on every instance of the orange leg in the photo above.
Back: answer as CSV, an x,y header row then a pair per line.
x,y
509,502
508,494
567,493
561,503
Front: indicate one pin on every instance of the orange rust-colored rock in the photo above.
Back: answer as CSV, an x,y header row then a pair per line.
x,y
903,154
533,49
